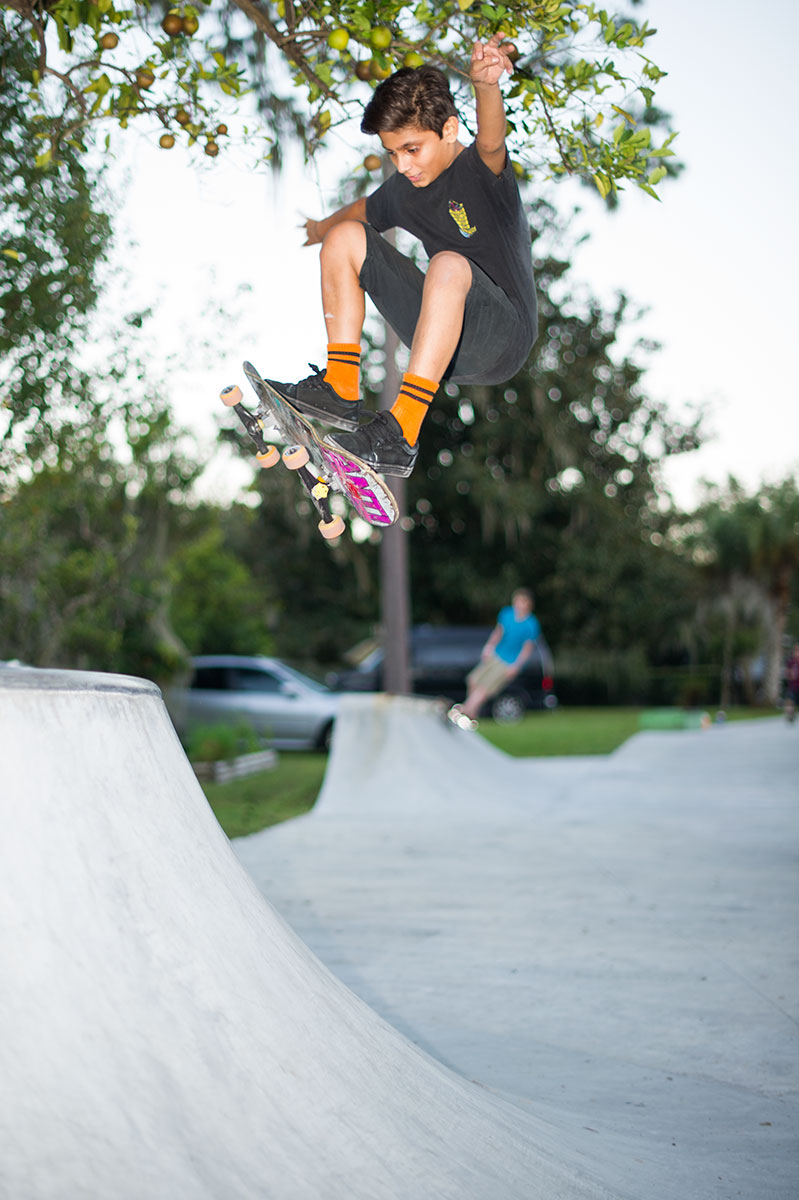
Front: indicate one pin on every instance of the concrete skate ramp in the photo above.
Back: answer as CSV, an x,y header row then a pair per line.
x,y
399,758
609,941
164,1034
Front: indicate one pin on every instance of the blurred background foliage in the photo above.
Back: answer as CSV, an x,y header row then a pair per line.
x,y
109,561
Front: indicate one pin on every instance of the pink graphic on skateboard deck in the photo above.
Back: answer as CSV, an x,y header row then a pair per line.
x,y
368,499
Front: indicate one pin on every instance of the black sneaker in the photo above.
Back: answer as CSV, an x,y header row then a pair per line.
x,y
380,444
316,398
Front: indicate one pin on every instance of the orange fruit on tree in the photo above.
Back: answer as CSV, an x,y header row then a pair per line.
x,y
337,39
172,24
380,37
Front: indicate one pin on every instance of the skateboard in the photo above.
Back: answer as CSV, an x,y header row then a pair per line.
x,y
319,467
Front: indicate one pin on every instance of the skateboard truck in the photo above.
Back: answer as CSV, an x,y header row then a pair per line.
x,y
294,457
321,467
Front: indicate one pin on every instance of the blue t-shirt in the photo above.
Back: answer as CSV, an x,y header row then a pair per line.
x,y
515,634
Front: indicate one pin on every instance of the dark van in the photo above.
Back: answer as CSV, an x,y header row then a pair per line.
x,y
441,656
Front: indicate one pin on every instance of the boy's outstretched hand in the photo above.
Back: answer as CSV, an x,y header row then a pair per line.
x,y
312,234
489,61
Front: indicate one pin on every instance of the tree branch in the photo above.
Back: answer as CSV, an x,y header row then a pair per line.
x,y
284,44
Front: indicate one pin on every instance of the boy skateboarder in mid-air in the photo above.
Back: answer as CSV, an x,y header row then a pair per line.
x,y
472,316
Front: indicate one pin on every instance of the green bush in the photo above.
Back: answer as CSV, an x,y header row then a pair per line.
x,y
221,743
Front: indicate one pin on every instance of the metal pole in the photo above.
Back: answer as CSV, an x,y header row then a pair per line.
x,y
395,602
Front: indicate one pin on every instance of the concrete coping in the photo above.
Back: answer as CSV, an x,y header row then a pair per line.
x,y
39,679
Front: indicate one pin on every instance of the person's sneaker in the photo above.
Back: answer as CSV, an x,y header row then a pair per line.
x,y
380,444
458,717
314,397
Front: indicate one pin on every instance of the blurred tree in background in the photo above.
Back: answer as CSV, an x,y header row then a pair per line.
x,y
85,539
54,236
108,561
746,548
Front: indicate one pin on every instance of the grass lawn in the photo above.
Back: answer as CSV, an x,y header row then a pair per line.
x,y
564,731
579,730
246,805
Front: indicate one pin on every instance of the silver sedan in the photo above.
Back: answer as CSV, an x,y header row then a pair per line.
x,y
288,709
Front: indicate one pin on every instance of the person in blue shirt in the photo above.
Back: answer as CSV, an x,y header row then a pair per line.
x,y
507,650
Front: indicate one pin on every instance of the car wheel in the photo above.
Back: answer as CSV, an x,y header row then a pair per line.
x,y
325,740
508,708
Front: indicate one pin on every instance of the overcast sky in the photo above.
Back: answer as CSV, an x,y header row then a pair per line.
x,y
715,264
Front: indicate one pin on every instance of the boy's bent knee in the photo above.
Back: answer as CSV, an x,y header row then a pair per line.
x,y
347,239
449,267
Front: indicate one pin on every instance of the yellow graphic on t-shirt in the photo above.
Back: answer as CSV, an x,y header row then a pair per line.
x,y
458,214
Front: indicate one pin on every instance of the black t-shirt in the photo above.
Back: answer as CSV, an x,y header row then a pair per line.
x,y
471,210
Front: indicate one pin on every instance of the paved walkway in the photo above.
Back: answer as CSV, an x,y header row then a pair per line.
x,y
609,942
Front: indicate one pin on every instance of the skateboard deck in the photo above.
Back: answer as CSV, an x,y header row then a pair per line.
x,y
319,467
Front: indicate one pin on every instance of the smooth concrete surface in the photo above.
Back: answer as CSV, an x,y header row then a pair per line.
x,y
165,1036
609,942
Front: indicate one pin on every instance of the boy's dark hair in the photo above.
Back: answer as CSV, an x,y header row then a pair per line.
x,y
417,96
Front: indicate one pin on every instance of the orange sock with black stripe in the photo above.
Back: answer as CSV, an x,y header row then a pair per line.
x,y
410,408
344,369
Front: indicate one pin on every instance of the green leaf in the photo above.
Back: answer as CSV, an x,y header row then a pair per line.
x,y
602,185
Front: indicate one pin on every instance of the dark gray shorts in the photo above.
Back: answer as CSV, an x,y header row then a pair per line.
x,y
494,342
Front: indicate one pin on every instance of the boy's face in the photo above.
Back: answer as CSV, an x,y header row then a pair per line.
x,y
420,154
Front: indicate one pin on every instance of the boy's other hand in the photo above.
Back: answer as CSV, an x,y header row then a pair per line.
x,y
313,235
489,61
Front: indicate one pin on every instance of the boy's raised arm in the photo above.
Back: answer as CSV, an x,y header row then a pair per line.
x,y
489,62
316,230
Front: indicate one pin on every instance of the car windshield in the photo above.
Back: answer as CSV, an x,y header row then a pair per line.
x,y
314,684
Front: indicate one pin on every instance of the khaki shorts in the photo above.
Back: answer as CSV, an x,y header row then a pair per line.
x,y
491,675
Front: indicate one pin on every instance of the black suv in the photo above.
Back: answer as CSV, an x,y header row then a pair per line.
x,y
442,657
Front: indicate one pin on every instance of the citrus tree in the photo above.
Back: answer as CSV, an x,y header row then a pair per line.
x,y
580,102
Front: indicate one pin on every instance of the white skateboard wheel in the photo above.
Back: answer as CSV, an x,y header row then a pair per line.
x,y
332,529
295,457
231,396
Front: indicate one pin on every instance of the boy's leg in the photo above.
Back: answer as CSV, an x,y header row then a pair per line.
x,y
341,259
389,442
333,395
488,678
438,330
435,340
